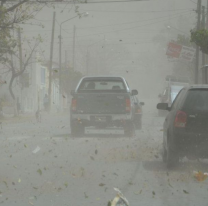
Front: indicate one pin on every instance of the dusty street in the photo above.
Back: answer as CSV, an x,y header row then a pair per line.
x,y
41,164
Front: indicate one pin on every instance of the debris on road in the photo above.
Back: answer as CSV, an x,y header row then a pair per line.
x,y
119,200
185,192
101,184
200,176
37,149
39,171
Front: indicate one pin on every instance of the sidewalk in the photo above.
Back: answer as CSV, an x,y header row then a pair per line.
x,y
28,117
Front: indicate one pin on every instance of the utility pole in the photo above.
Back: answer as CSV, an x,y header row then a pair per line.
x,y
87,62
51,60
20,61
60,71
74,44
203,55
66,59
197,47
20,47
205,72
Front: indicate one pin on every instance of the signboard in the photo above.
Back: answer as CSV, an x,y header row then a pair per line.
x,y
187,53
174,50
180,52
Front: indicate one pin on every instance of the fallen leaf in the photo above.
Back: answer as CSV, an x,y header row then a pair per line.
x,y
85,195
5,183
39,171
101,184
19,180
66,184
185,192
153,192
31,203
25,145
200,176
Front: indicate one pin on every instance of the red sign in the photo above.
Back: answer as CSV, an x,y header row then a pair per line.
x,y
174,50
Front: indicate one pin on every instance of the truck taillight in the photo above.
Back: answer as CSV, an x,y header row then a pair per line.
x,y
74,104
128,105
180,119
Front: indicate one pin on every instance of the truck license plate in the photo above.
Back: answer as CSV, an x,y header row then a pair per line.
x,y
100,119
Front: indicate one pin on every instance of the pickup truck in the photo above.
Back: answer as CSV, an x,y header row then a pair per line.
x,y
102,102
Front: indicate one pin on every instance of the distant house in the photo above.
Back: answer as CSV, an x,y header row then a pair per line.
x,y
31,87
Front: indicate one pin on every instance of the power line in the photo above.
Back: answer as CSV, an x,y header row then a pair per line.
x,y
153,11
130,22
126,28
72,2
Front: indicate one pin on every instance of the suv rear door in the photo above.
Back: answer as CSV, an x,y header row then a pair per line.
x,y
196,108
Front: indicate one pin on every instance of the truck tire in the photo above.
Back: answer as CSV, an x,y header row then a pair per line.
x,y
129,129
77,129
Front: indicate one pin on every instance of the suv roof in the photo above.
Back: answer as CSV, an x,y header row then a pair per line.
x,y
198,86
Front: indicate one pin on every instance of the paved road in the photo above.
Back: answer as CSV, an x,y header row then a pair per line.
x,y
83,171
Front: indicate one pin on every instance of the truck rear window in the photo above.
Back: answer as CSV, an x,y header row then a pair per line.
x,y
197,100
102,85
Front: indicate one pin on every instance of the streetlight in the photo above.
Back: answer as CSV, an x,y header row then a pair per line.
x,y
84,14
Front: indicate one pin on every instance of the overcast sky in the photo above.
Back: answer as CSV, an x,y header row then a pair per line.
x,y
133,22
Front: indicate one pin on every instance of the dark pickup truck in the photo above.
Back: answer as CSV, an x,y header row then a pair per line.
x,y
102,102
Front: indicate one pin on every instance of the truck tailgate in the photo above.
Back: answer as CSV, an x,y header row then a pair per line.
x,y
102,103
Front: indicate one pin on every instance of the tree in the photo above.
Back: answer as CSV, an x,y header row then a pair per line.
x,y
200,38
11,16
16,71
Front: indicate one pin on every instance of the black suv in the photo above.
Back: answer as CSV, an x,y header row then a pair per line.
x,y
186,125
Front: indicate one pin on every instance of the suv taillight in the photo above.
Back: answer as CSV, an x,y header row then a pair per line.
x,y
74,105
180,119
128,105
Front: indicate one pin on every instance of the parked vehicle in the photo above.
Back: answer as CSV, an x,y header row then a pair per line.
x,y
102,102
138,113
186,125
173,86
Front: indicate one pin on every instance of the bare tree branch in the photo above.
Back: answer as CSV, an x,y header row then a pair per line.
x,y
16,5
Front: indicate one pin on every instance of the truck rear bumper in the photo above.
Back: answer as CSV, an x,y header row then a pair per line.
x,y
102,121
90,117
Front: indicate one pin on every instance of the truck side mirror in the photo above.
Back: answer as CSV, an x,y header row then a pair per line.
x,y
134,92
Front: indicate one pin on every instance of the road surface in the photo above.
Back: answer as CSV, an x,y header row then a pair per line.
x,y
41,164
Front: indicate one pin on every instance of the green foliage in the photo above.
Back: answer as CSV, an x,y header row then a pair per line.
x,y
10,18
200,38
184,40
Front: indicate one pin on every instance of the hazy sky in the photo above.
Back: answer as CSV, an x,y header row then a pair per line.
x,y
133,22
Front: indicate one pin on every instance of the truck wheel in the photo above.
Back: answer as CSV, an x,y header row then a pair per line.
x,y
129,129
77,129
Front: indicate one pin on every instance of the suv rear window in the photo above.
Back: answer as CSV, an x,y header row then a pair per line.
x,y
101,85
197,100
